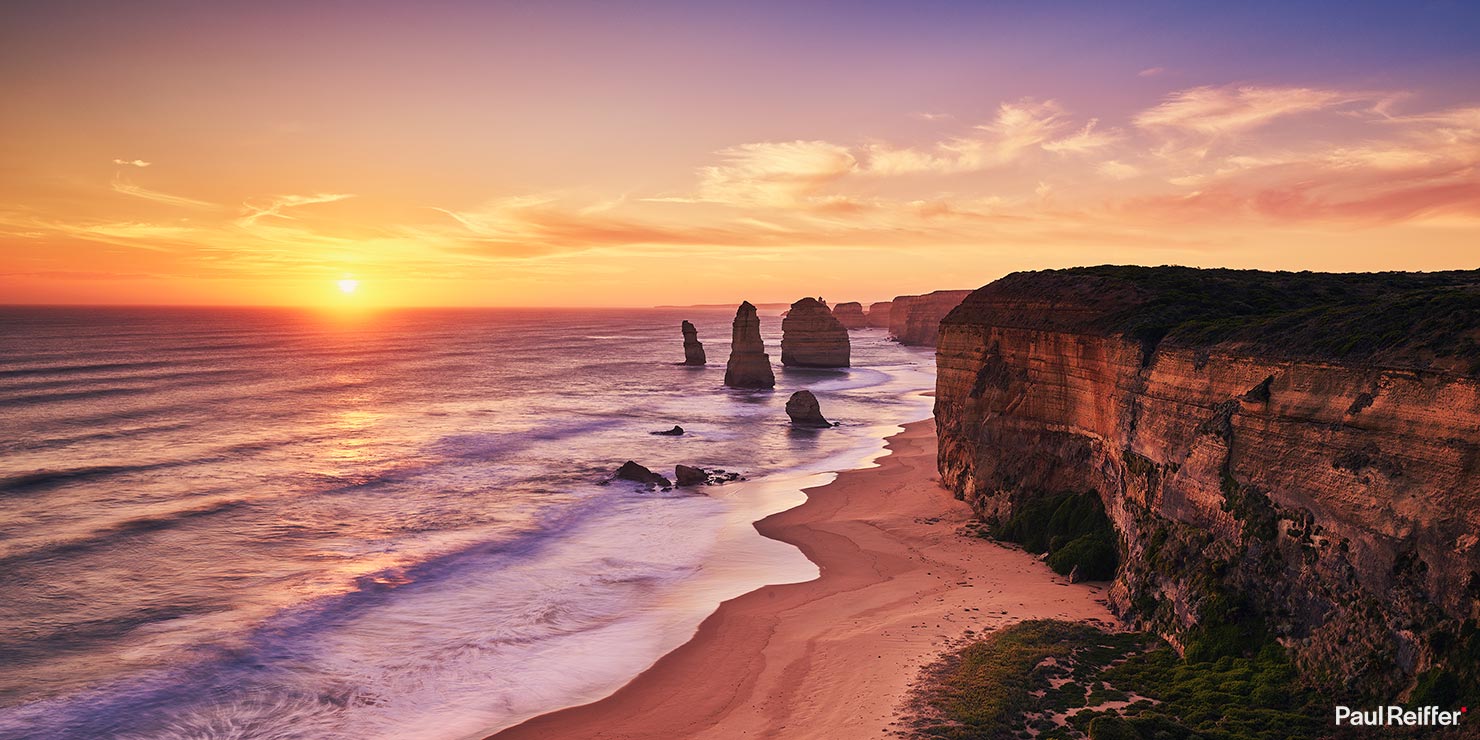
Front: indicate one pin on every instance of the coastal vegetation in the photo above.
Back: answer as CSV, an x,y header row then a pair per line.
x,y
1070,527
1380,316
1060,680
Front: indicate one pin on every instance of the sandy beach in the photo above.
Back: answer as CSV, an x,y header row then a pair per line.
x,y
835,656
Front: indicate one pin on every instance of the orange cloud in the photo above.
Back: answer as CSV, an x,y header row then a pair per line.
x,y
774,173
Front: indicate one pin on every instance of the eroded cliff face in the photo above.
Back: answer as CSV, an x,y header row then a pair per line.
x,y
1339,500
913,319
878,314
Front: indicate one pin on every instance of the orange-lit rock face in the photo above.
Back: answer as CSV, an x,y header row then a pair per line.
x,y
878,314
749,366
1343,500
812,337
913,319
850,314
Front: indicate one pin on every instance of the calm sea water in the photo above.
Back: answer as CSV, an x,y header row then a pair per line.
x,y
220,523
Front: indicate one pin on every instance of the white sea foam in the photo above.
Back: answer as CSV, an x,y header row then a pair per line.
x,y
409,557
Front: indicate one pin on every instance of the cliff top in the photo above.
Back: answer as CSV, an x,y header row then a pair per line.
x,y
1416,319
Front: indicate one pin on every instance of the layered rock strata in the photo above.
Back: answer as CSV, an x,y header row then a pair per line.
x,y
850,315
914,319
878,314
812,337
1287,449
749,365
693,349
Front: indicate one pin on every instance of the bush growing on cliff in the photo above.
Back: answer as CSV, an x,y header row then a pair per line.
x,y
1071,527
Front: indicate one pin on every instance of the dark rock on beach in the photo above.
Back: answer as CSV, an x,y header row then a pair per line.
x,y
676,431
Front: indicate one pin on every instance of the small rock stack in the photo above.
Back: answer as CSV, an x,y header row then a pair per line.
x,y
693,349
804,411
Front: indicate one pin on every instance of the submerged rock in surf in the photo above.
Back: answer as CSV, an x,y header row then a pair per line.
x,y
804,411
639,474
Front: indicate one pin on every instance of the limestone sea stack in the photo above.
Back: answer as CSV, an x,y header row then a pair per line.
x,y
749,365
850,314
804,411
915,319
812,337
878,314
693,349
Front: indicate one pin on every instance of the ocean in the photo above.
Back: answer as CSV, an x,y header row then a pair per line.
x,y
272,523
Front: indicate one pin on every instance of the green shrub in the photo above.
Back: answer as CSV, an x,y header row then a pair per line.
x,y
1071,527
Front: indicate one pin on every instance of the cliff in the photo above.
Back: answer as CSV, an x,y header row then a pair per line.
x,y
878,314
812,337
913,319
749,365
1295,451
850,315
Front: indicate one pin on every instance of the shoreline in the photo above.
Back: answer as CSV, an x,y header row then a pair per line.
x,y
836,656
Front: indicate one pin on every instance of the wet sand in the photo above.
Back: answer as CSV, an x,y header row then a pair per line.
x,y
835,656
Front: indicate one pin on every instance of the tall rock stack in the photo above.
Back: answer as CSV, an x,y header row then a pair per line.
x,y
749,365
812,337
693,349
850,314
878,314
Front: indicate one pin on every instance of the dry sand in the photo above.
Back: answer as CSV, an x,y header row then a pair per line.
x,y
835,657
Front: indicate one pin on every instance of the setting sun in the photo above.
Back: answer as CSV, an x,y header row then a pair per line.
x,y
348,286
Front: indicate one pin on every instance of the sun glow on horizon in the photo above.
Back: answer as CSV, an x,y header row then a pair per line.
x,y
897,160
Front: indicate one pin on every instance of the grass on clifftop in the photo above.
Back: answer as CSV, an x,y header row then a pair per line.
x,y
1060,680
1377,316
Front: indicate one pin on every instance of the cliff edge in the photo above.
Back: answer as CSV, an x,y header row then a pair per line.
x,y
1290,455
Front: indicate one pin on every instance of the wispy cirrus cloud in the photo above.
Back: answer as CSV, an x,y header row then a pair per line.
x,y
774,173
1087,139
132,162
1254,161
1019,127
278,204
1234,109
1398,168
125,187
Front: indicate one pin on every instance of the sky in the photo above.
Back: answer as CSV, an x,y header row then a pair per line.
x,y
641,153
